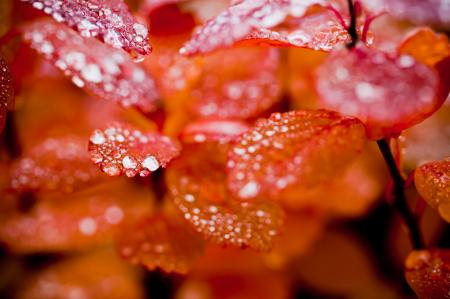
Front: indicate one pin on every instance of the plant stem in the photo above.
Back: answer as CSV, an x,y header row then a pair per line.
x,y
352,27
399,202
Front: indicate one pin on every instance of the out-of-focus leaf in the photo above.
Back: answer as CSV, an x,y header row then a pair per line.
x,y
161,242
387,93
108,20
103,71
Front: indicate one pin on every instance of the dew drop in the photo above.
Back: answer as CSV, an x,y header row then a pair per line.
x,y
150,163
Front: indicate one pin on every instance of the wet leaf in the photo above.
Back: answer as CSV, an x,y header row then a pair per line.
x,y
105,72
295,149
161,242
76,222
428,273
387,93
108,277
207,205
56,164
107,20
124,149
425,46
213,130
433,12
432,181
237,83
242,20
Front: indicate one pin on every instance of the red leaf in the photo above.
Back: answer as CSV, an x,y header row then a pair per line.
x,y
197,186
6,92
236,83
148,6
432,181
428,273
213,130
288,150
122,149
107,73
388,94
319,31
161,242
108,20
241,20
60,164
79,221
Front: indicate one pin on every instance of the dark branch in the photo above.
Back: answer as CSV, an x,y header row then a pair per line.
x,y
400,203
352,27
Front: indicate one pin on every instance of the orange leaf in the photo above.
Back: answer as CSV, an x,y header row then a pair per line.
x,y
123,149
85,219
161,242
95,275
60,164
288,150
197,186
432,181
425,46
428,273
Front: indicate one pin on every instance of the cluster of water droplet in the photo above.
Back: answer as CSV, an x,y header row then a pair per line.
x,y
277,152
235,24
207,205
104,71
124,150
109,21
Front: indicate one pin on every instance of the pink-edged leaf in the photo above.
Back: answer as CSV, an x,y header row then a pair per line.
x,y
237,83
103,71
428,273
241,20
197,185
290,150
161,242
60,163
432,181
108,20
387,93
215,130
123,149
434,12
319,31
6,92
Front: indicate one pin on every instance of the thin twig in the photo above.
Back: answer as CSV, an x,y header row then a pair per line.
x,y
399,202
352,27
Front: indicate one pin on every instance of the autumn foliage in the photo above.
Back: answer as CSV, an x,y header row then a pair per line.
x,y
224,149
